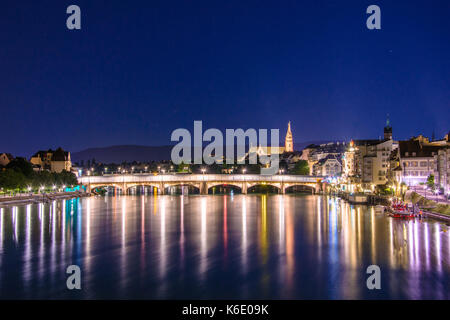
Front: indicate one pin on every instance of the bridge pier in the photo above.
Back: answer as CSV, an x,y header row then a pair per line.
x,y
203,188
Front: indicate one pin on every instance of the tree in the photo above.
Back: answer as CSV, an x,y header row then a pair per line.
x,y
182,167
21,165
430,182
301,168
11,179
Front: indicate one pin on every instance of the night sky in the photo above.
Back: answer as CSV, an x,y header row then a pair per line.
x,y
137,70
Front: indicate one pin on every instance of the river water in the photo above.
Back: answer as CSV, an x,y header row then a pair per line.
x,y
219,247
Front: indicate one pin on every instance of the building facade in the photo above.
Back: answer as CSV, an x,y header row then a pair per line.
x,y
330,166
5,158
366,163
442,169
417,160
315,153
53,160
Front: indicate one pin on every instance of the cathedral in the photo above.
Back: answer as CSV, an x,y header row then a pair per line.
x,y
288,146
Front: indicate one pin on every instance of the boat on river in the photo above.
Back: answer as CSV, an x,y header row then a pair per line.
x,y
400,210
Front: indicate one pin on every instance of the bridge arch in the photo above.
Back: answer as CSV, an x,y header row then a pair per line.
x,y
177,188
151,186
264,188
298,187
224,186
107,185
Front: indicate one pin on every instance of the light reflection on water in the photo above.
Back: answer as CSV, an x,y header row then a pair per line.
x,y
254,246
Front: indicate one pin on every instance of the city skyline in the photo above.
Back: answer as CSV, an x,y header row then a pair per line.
x,y
134,73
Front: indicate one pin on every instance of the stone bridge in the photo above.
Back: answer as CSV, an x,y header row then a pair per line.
x,y
201,181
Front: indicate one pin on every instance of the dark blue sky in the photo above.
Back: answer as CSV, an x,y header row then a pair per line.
x,y
137,70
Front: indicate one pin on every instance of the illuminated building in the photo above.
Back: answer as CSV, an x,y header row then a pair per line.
x,y
315,153
267,151
330,166
417,159
289,142
54,161
5,158
442,169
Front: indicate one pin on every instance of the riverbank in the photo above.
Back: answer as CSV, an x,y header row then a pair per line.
x,y
435,215
367,199
39,198
429,207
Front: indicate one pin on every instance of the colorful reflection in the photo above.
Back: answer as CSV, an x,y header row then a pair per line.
x,y
240,246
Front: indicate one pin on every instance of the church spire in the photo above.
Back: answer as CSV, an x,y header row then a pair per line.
x,y
289,142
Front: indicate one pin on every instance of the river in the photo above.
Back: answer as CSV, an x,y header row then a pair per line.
x,y
219,247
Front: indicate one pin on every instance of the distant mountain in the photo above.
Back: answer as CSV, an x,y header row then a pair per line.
x,y
127,153
130,153
301,145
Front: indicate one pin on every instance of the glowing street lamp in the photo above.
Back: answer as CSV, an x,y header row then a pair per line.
x,y
244,170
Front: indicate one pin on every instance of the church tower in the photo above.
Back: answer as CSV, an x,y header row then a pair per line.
x,y
289,143
387,130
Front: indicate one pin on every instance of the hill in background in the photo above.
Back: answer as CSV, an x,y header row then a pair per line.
x,y
130,153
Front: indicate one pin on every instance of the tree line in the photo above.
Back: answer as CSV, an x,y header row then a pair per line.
x,y
19,175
